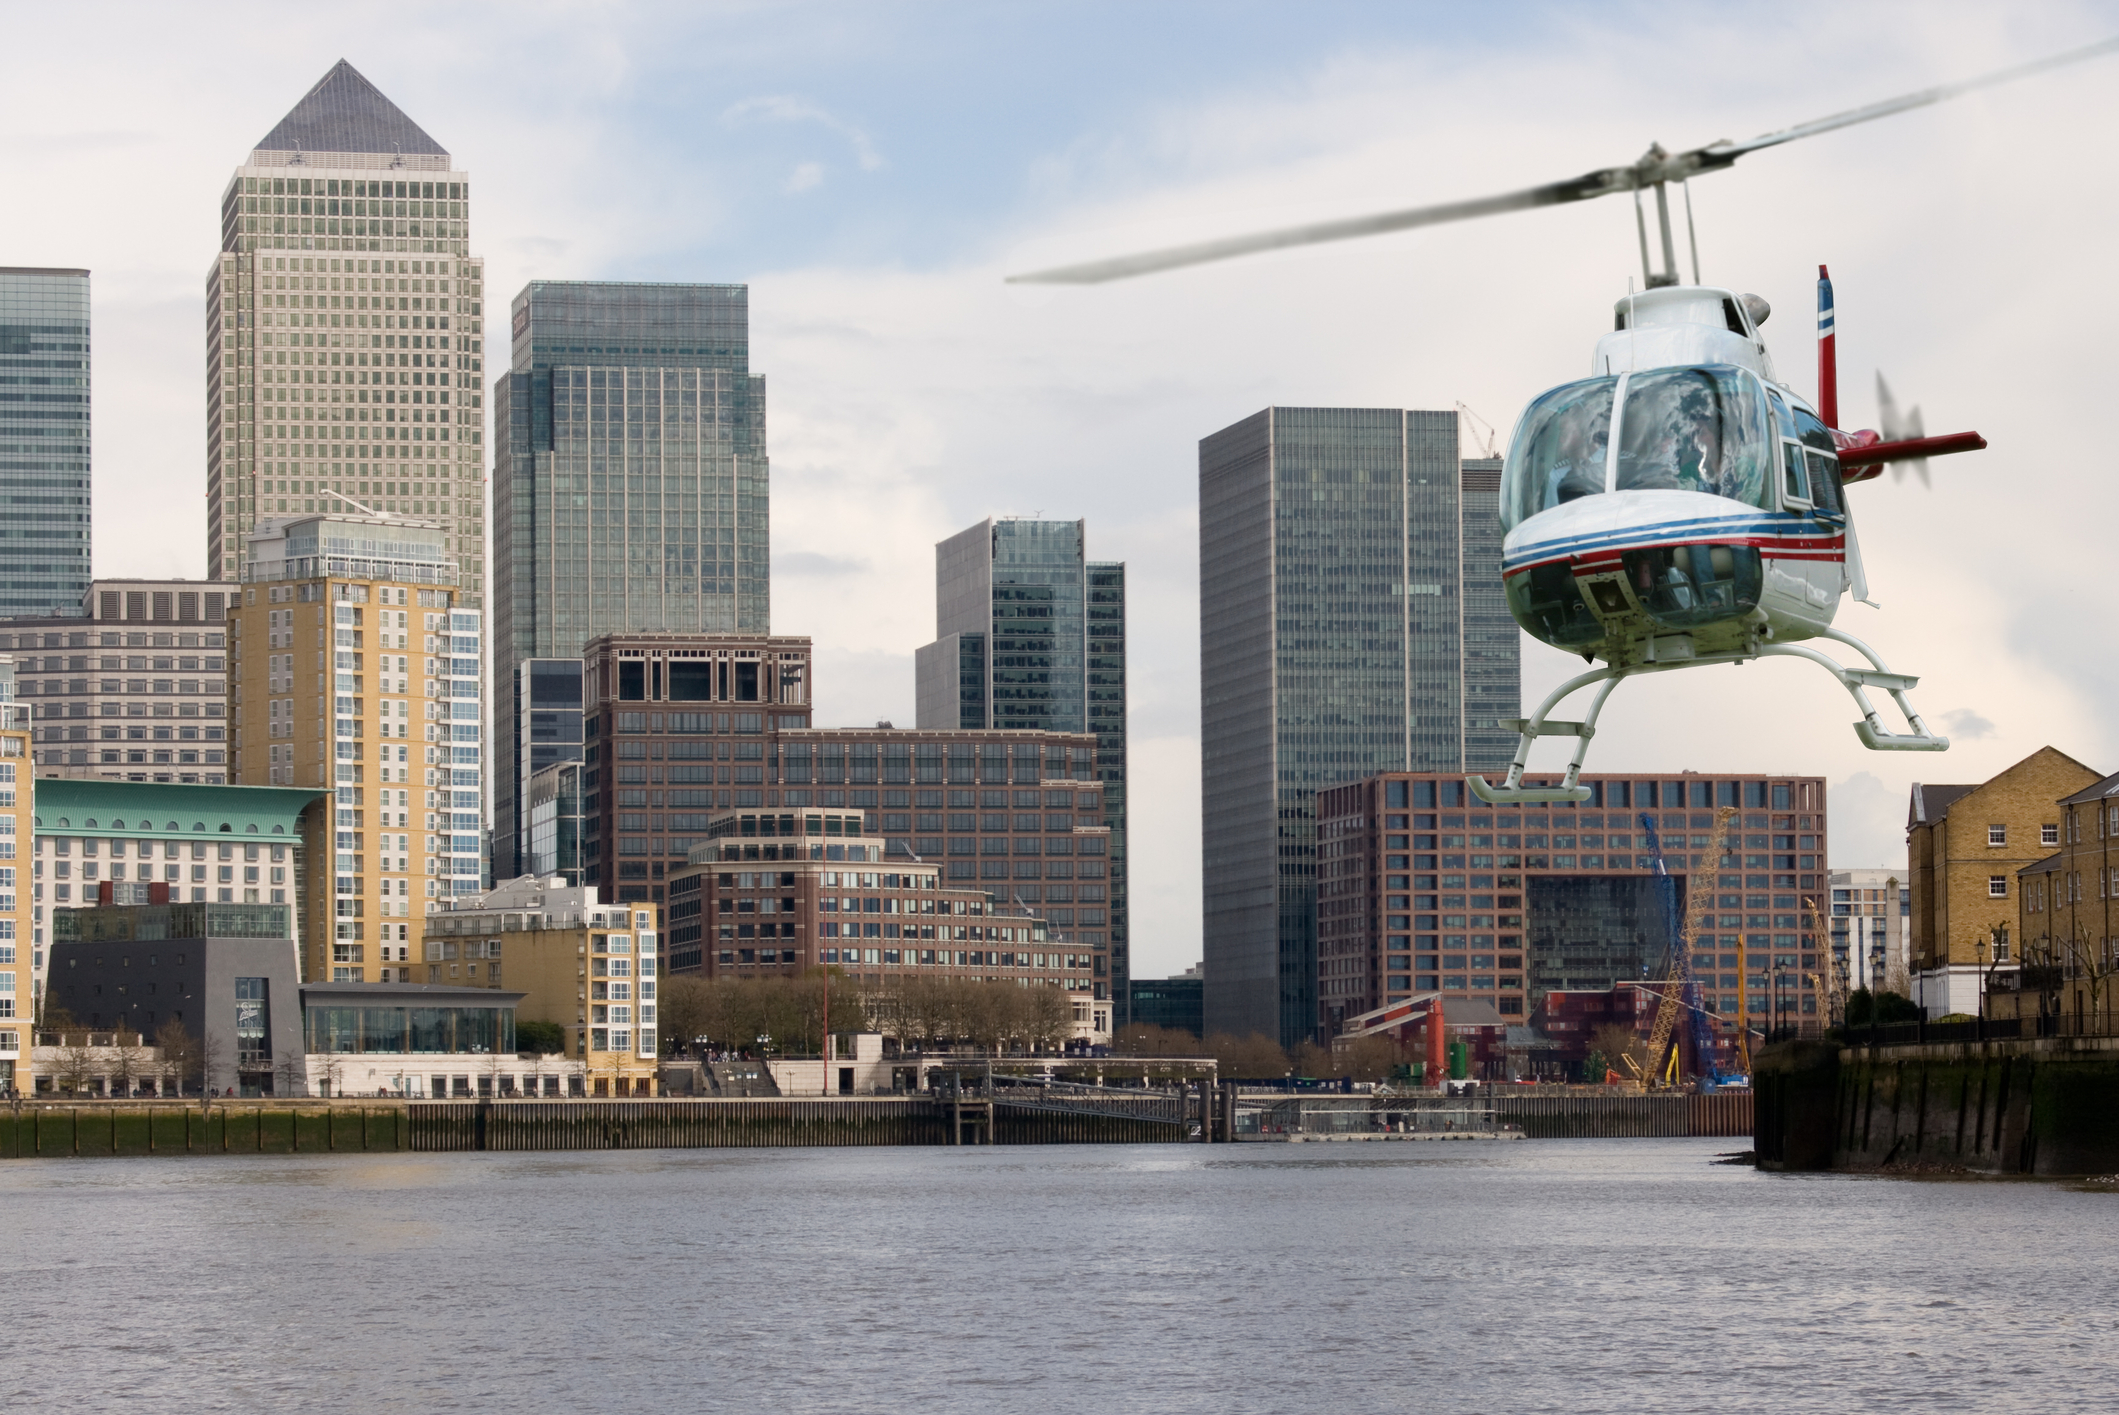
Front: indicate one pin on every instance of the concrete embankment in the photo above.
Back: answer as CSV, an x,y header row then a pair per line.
x,y
283,1127
2048,1106
103,1128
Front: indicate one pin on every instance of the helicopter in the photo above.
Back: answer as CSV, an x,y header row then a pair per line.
x,y
1681,507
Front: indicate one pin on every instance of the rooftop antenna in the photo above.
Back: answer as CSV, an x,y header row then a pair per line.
x,y
365,511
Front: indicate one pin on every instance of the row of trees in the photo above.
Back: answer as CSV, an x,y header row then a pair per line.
x,y
175,1060
733,1013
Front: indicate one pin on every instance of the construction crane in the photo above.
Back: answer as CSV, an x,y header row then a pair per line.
x,y
1679,983
1832,997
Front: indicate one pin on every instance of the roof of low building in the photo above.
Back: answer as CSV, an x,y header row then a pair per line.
x,y
158,808
2107,787
1928,802
409,994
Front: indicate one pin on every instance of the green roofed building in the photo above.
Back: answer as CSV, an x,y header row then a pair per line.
x,y
124,842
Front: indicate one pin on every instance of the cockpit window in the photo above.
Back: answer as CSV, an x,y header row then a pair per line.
x,y
1706,429
1558,452
1823,456
1697,429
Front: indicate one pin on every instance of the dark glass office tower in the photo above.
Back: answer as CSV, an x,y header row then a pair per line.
x,y
1031,634
630,484
44,470
1339,562
1493,645
630,481
544,730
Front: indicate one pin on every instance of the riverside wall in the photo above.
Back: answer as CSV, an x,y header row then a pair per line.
x,y
2047,1106
89,1128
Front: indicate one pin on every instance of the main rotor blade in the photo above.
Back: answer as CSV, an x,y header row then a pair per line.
x,y
1925,97
1656,166
1095,272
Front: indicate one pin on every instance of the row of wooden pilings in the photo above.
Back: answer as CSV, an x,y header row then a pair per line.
x,y
319,1127
1626,1117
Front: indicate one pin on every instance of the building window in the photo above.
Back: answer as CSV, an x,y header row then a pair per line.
x,y
1997,835
1997,886
2047,834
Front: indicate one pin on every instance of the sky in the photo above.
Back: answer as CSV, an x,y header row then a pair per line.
x,y
873,171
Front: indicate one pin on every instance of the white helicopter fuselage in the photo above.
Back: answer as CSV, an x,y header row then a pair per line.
x,y
1679,502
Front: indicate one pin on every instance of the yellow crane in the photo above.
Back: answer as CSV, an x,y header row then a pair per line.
x,y
1699,897
1831,998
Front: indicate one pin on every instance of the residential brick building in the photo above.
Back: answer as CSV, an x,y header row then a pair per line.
x,y
1420,889
2065,908
781,893
1964,848
1018,814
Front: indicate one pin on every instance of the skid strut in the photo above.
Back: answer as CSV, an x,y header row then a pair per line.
x,y
1871,730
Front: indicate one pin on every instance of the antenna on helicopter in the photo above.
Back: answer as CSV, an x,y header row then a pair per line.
x,y
1654,168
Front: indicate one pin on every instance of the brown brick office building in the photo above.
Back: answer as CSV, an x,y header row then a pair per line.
x,y
1420,888
1016,814
780,892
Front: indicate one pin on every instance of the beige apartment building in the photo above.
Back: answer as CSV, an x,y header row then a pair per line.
x,y
1965,846
132,687
589,967
355,669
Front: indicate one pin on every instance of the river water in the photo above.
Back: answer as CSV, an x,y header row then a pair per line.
x,y
1577,1276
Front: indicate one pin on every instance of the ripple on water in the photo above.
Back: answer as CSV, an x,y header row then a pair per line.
x,y
1574,1276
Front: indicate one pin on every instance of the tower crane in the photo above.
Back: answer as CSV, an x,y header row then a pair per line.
x,y
1679,991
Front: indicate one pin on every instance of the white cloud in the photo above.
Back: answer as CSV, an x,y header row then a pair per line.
x,y
784,108
1966,725
805,176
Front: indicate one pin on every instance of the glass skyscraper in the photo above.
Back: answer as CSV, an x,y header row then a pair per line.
x,y
631,490
1349,578
44,439
1030,634
345,331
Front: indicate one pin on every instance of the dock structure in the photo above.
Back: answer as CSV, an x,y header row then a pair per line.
x,y
971,1109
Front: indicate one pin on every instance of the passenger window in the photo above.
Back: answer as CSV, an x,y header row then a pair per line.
x,y
1795,480
1824,481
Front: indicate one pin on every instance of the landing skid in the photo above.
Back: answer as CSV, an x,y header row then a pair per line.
x,y
1870,729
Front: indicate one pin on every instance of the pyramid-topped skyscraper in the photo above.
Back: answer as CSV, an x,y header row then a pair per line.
x,y
345,331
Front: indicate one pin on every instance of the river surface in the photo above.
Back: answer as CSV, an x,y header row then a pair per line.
x,y
1576,1276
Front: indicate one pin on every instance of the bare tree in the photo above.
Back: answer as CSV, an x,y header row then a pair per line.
x,y
217,1060
75,1061
687,1011
181,1054
1147,1039
1047,1016
1372,1058
290,1075
1616,1040
130,1063
2089,963
1255,1056
1310,1059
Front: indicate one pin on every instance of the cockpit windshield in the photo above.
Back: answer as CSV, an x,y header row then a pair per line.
x,y
1559,451
1702,429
